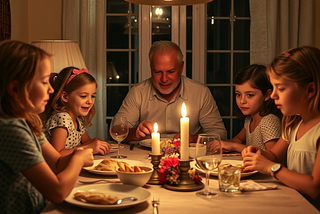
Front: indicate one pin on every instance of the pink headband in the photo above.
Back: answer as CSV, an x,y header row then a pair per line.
x,y
294,59
76,72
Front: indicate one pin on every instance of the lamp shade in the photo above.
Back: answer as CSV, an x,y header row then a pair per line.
x,y
168,2
65,53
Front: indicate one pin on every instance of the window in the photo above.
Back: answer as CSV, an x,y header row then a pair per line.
x,y
215,44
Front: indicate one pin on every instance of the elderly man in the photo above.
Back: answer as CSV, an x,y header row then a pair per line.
x,y
159,99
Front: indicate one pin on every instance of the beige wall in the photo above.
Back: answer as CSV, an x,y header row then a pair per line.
x,y
41,20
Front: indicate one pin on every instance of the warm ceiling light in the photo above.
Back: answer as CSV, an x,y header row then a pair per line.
x,y
168,2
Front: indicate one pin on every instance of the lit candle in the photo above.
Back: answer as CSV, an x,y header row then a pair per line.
x,y
155,143
184,134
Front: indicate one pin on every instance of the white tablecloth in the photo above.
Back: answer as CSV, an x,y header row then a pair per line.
x,y
282,200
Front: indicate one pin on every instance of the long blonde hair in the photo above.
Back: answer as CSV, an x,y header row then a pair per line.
x,y
19,62
300,65
59,84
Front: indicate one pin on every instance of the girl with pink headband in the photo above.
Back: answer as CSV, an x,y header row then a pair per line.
x,y
70,111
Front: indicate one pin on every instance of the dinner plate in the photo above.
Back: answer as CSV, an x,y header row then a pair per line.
x,y
225,161
99,172
118,190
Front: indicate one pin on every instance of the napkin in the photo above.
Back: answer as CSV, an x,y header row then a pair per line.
x,y
250,185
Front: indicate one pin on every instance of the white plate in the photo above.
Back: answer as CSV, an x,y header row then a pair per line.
x,y
99,172
147,142
119,190
224,161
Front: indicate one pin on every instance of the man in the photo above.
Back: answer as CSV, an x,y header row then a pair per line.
x,y
159,99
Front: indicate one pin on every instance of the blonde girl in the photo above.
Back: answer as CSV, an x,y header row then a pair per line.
x,y
31,170
70,111
295,76
262,126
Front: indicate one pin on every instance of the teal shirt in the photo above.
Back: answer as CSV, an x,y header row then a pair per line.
x,y
19,150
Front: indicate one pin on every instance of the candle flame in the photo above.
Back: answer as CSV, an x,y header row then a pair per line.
x,y
184,110
155,127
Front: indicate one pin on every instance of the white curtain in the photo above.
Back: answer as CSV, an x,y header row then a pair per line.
x,y
277,25
84,21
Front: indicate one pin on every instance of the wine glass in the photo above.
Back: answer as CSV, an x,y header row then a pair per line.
x,y
208,156
119,130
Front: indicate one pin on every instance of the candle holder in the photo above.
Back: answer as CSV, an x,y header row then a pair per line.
x,y
186,183
155,160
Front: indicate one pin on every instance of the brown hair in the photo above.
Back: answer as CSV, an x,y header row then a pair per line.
x,y
258,78
59,84
301,65
19,62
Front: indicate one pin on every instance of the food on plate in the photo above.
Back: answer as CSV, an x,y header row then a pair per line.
x,y
227,165
110,165
131,169
95,197
113,165
166,143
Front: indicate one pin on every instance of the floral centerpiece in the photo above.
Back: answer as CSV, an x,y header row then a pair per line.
x,y
169,171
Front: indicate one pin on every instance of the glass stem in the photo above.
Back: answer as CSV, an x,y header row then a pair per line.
x,y
119,149
207,189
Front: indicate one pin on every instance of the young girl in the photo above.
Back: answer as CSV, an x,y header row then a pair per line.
x,y
31,170
262,127
295,78
70,110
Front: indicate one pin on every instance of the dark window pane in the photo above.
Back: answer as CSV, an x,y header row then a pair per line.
x,y
189,34
116,33
237,126
134,31
227,125
219,8
241,8
218,35
161,23
121,62
188,65
240,60
116,6
189,11
115,95
242,35
135,67
221,95
218,68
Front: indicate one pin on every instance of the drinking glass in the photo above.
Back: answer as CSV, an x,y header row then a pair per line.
x,y
119,130
208,159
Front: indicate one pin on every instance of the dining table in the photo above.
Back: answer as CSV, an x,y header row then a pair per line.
x,y
282,200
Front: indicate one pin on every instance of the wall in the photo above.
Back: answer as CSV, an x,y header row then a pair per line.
x,y
41,20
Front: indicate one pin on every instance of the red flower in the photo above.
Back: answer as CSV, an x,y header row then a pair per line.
x,y
176,143
173,162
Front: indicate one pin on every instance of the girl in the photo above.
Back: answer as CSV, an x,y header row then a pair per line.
x,y
296,90
31,170
70,110
262,124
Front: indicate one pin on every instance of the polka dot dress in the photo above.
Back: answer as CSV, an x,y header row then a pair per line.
x,y
63,119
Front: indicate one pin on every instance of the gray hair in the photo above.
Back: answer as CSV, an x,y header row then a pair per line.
x,y
164,47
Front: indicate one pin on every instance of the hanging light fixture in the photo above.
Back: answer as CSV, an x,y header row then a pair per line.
x,y
168,2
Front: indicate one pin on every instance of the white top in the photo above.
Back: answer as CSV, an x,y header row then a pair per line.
x,y
268,129
302,153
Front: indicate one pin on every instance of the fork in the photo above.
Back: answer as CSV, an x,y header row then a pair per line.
x,y
155,204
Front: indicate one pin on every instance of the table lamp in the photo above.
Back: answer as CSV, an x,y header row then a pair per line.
x,y
65,53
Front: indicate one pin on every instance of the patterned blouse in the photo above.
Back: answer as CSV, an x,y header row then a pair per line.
x,y
268,129
63,119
